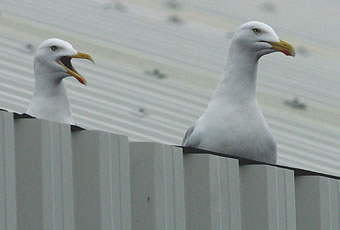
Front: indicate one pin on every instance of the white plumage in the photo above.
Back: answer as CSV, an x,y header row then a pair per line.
x,y
233,122
52,63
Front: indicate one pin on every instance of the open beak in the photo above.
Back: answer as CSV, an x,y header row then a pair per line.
x,y
65,62
283,47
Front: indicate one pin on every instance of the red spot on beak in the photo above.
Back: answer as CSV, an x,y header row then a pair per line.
x,y
287,52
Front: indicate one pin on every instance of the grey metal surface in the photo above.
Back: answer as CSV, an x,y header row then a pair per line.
x,y
317,203
335,203
212,187
56,178
102,180
8,210
157,187
44,180
123,97
267,198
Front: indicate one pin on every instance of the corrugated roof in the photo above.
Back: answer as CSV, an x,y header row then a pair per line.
x,y
122,97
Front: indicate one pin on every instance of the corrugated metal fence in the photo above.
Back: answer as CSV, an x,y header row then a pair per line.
x,y
57,177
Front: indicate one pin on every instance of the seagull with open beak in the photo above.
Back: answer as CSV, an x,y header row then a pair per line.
x,y
52,63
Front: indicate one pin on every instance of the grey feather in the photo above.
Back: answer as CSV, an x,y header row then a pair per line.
x,y
187,137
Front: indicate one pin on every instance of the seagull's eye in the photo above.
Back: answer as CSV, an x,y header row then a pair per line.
x,y
256,31
53,48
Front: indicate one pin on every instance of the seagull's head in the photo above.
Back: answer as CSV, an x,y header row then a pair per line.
x,y
261,39
53,58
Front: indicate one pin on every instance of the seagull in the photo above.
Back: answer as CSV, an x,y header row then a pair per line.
x,y
52,63
233,122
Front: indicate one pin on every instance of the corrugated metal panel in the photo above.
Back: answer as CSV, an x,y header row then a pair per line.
x,y
44,178
323,193
8,210
212,192
157,186
62,177
122,98
67,180
274,193
102,180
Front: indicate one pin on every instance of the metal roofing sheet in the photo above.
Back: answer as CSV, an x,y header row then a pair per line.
x,y
122,98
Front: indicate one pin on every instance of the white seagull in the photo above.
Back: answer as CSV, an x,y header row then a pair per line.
x,y
233,122
52,63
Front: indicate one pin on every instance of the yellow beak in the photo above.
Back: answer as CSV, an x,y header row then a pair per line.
x,y
72,71
283,47
83,56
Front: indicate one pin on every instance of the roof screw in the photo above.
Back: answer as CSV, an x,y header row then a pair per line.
x,y
295,104
139,112
114,4
27,48
173,4
156,73
268,6
175,19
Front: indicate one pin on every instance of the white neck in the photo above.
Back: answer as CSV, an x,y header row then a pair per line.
x,y
50,99
239,81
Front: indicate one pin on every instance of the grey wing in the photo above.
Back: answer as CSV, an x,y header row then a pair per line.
x,y
189,139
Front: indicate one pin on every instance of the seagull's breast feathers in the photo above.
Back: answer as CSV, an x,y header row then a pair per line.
x,y
236,131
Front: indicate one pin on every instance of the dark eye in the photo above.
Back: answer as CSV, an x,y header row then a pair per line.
x,y
54,48
256,30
